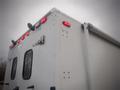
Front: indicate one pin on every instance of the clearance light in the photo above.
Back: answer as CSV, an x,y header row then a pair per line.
x,y
27,33
37,25
23,37
33,28
19,41
43,20
67,24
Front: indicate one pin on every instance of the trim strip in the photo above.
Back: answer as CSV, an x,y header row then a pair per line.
x,y
102,35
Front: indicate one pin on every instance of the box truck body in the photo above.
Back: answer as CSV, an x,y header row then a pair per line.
x,y
60,53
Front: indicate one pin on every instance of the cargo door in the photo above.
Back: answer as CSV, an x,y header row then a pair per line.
x,y
27,71
104,56
10,82
43,44
70,67
44,56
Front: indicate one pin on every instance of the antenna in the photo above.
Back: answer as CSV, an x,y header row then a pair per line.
x,y
30,26
13,42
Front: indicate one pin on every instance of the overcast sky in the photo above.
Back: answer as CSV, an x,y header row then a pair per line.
x,y
15,14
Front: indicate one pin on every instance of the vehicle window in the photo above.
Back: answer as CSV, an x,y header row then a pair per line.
x,y
27,64
14,68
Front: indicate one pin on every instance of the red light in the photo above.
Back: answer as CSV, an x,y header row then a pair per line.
x,y
23,37
43,20
27,33
37,25
67,24
19,41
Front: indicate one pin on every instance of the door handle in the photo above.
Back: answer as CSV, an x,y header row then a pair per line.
x,y
16,88
31,87
2,83
6,83
52,88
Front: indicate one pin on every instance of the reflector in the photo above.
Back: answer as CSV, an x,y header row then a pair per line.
x,y
67,24
23,37
37,25
43,20
27,33
19,41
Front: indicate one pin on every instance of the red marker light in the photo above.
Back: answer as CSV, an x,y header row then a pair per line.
x,y
43,20
27,33
23,37
37,25
67,24
19,41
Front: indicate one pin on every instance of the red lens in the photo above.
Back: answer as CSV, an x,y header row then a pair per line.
x,y
19,41
27,33
37,25
67,24
43,20
23,37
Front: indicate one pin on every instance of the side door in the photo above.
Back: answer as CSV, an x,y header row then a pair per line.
x,y
70,68
13,81
27,81
10,77
44,62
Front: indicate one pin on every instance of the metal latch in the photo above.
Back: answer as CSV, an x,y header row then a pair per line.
x,y
31,87
52,88
16,88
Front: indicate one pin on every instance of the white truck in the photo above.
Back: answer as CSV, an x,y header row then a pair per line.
x,y
60,53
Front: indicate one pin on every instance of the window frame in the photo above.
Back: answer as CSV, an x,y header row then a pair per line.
x,y
27,76
14,68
